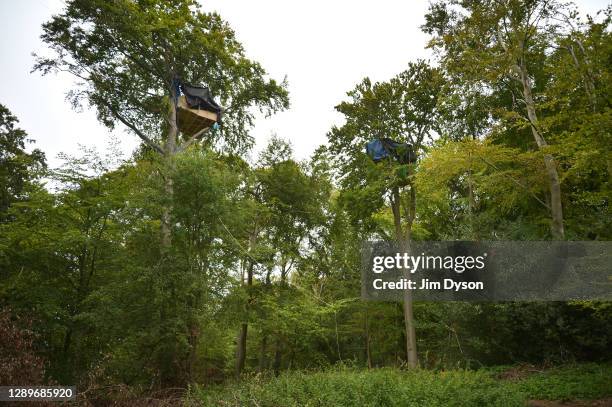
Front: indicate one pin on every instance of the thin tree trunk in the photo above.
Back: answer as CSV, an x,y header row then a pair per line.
x,y
169,151
411,348
241,349
471,202
589,87
404,244
278,345
277,357
194,335
556,209
262,353
367,339
242,334
168,376
263,363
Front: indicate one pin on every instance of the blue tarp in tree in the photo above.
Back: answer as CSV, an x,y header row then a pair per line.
x,y
384,148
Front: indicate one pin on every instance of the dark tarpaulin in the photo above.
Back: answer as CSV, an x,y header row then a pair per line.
x,y
198,97
383,148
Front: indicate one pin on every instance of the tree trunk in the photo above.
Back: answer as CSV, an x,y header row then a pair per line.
x,y
241,349
277,357
169,151
589,87
263,363
262,353
404,245
411,349
279,344
471,203
242,335
194,336
556,209
167,376
367,339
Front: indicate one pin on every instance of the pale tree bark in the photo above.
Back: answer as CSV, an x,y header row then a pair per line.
x,y
556,208
169,150
522,75
404,245
587,79
368,351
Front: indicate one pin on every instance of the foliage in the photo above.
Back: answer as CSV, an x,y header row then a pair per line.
x,y
126,55
587,381
17,167
169,270
388,387
19,362
380,387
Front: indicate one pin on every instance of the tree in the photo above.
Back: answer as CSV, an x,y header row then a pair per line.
x,y
405,109
127,55
17,167
473,189
281,205
576,114
58,250
499,46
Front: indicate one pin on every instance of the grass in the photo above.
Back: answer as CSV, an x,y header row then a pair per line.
x,y
392,387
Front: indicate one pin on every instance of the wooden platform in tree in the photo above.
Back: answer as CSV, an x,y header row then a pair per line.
x,y
190,121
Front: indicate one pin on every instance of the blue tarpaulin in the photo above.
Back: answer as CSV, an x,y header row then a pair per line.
x,y
376,150
382,148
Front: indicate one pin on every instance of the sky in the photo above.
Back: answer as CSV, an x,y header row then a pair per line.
x,y
324,48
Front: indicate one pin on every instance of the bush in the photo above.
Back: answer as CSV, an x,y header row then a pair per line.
x,y
381,387
586,381
19,364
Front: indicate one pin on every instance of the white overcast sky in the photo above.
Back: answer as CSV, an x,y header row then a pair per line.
x,y
323,47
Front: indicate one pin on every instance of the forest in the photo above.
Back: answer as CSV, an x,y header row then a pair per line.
x,y
191,274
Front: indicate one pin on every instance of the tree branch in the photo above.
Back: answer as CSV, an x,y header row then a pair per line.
x,y
517,182
139,133
192,139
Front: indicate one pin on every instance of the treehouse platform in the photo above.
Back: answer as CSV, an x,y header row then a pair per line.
x,y
190,121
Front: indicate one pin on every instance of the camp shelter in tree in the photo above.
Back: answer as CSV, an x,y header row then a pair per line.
x,y
384,148
196,110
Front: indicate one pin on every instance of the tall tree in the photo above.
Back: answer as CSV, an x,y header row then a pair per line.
x,y
293,199
277,208
65,243
405,109
500,46
126,56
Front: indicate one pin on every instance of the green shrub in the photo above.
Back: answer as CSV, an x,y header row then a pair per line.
x,y
585,381
392,387
381,387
